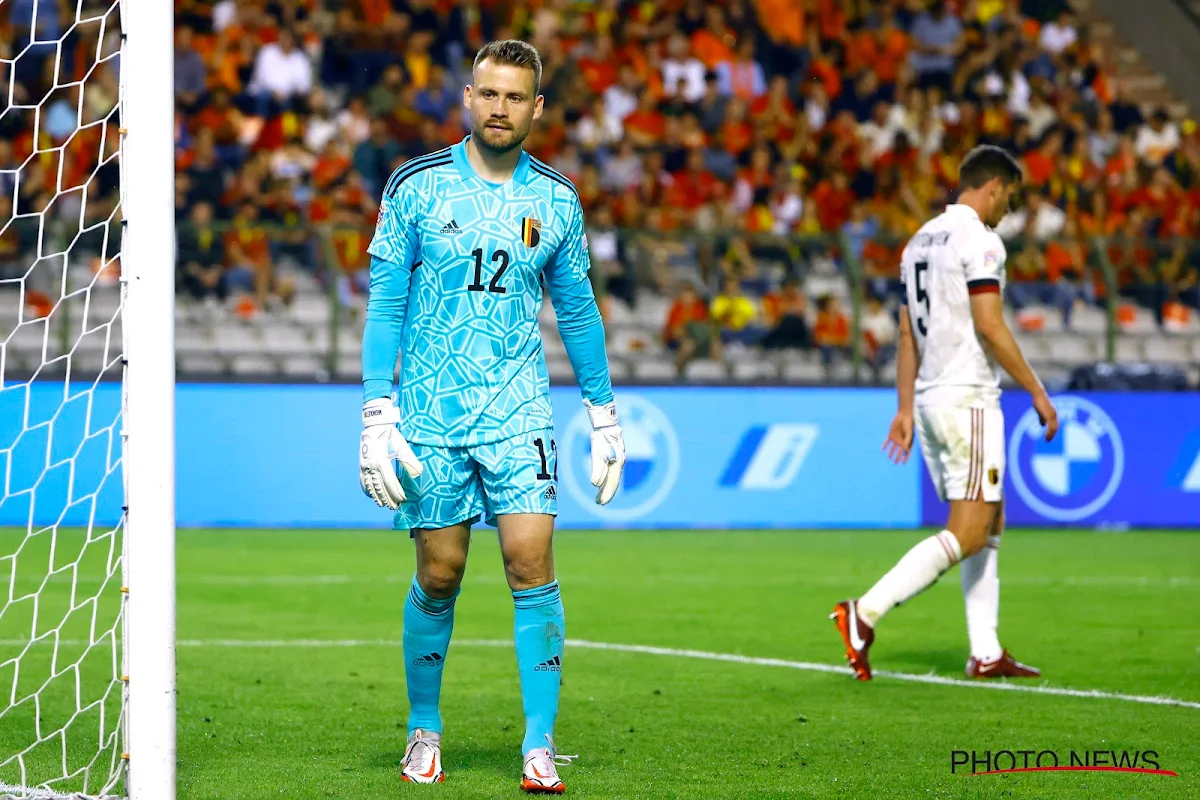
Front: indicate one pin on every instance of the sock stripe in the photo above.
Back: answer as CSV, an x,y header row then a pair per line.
x,y
537,596
947,547
429,606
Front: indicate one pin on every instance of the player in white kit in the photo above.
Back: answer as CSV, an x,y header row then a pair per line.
x,y
951,338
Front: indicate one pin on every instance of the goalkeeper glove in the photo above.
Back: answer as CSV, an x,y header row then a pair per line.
x,y
608,451
381,444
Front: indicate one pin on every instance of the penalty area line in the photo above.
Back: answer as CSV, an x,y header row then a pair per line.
x,y
699,655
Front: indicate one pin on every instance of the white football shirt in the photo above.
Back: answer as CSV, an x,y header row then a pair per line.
x,y
952,257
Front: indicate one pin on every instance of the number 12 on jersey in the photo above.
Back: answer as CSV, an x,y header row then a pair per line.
x,y
922,267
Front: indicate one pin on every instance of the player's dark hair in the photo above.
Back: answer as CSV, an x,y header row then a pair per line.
x,y
986,162
513,53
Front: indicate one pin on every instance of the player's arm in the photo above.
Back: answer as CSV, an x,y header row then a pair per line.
x,y
582,333
987,312
899,443
394,251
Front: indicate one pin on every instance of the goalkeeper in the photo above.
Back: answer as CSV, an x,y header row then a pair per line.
x,y
466,239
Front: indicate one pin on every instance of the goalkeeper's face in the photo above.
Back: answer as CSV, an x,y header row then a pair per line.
x,y
503,102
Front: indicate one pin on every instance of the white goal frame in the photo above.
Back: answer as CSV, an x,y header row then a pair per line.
x,y
148,395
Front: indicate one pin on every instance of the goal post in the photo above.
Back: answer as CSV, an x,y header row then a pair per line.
x,y
148,280
87,400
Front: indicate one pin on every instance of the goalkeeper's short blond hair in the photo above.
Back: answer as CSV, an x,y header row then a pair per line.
x,y
513,53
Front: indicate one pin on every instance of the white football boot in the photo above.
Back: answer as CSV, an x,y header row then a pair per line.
x,y
540,774
422,759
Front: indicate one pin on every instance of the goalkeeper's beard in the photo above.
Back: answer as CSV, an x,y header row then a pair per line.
x,y
498,142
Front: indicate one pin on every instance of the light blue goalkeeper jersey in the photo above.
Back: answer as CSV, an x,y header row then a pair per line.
x,y
457,275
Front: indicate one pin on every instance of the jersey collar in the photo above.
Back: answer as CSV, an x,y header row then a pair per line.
x,y
962,208
521,174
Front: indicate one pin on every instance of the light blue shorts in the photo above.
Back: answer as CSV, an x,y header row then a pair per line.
x,y
464,484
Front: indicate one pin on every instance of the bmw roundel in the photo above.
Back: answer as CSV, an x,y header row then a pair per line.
x,y
1077,474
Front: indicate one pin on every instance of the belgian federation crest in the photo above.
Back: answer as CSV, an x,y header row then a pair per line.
x,y
531,231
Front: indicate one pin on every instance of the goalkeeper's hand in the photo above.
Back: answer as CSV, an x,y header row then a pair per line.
x,y
608,451
382,443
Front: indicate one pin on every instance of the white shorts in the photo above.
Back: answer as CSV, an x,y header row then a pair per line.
x,y
964,451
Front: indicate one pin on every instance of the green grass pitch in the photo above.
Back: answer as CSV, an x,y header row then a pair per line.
x,y
291,681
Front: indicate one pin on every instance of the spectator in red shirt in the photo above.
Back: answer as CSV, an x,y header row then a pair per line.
x,y
834,199
786,313
688,331
832,332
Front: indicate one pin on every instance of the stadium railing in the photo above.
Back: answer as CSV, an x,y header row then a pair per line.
x,y
329,267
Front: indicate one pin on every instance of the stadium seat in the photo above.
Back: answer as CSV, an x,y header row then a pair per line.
x,y
654,370
312,309
841,372
300,366
1036,347
618,370
1089,320
1168,350
1142,323
253,365
752,369
235,339
1067,349
282,339
705,370
201,364
803,372
1129,348
192,338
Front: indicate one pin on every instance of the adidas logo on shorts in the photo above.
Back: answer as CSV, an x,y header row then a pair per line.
x,y
431,660
550,493
451,227
552,665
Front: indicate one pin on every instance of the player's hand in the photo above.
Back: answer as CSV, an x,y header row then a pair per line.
x,y
608,451
900,438
1047,414
381,444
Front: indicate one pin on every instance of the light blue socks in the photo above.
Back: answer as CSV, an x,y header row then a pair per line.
x,y
427,626
539,628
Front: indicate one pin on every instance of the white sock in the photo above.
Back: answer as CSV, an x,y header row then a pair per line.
x,y
915,572
981,595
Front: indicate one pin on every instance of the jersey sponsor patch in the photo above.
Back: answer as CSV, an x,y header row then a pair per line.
x,y
531,231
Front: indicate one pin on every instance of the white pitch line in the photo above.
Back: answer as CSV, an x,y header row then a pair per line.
x,y
703,655
1138,581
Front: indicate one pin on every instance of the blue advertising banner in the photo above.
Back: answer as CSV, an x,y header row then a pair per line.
x,y
1120,459
286,456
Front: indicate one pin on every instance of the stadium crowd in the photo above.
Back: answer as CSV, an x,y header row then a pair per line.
x,y
721,148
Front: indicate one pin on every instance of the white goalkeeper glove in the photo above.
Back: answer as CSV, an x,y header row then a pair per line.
x,y
381,444
608,451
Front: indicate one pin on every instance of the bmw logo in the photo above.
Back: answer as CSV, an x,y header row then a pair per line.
x,y
651,460
1077,474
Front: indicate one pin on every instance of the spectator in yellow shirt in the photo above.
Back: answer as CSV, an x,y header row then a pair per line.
x,y
736,315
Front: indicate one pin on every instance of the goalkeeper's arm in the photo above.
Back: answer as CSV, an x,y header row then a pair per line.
x,y
381,441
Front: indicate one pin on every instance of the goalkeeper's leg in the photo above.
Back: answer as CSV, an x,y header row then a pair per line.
x,y
440,508
539,629
429,619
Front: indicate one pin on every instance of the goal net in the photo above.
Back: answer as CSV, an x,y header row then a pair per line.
x,y
65,400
